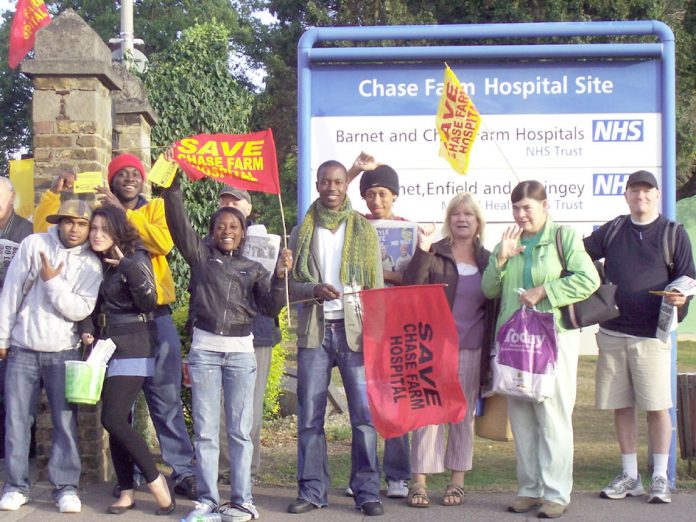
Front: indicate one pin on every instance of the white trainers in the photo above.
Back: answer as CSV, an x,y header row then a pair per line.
x,y
69,503
231,512
12,501
659,492
397,489
349,492
199,509
623,486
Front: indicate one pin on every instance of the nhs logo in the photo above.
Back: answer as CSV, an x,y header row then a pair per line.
x,y
617,130
609,184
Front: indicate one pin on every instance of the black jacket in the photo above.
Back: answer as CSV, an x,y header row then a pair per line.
x,y
16,230
227,290
127,296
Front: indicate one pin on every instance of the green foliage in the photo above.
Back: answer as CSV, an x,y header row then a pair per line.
x,y
271,406
15,103
193,92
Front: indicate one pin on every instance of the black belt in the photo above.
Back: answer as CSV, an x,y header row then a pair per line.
x,y
334,321
104,320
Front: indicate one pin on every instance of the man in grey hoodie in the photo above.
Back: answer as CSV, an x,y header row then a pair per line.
x,y
51,283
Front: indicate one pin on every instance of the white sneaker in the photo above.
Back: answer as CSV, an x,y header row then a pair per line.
x,y
349,492
199,509
12,501
231,512
69,503
397,489
623,486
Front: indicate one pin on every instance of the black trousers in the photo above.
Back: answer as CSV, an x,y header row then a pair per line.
x,y
127,446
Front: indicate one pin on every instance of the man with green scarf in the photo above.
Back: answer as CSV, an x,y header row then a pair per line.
x,y
337,254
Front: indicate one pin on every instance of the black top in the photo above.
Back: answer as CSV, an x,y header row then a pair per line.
x,y
634,261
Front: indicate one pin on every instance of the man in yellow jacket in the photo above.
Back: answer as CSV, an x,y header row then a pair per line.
x,y
126,175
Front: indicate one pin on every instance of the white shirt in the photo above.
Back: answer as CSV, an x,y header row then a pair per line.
x,y
329,245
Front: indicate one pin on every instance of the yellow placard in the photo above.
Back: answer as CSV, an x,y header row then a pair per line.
x,y
85,182
22,178
162,172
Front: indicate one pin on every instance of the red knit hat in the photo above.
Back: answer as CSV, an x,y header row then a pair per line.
x,y
121,162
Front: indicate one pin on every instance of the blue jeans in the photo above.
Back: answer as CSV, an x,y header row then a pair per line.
x,y
313,375
235,374
25,370
397,459
163,396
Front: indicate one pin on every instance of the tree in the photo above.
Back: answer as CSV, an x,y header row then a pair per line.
x,y
192,91
277,47
158,22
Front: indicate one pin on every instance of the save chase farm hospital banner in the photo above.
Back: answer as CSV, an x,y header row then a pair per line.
x,y
578,127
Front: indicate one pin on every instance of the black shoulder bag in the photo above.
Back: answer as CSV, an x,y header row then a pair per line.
x,y
599,307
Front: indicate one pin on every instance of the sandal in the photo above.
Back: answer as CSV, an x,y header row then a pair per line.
x,y
417,492
455,492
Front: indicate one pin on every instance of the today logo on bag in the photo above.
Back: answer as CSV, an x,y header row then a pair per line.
x,y
524,338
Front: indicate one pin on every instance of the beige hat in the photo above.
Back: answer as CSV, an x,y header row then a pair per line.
x,y
72,208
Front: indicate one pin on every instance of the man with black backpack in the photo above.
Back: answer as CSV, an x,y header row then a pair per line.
x,y
642,252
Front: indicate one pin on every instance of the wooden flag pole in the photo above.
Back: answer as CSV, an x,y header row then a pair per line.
x,y
287,273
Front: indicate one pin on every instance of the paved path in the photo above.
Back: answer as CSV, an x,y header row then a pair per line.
x,y
272,503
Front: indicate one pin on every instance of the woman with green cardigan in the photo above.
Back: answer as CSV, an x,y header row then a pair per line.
x,y
526,258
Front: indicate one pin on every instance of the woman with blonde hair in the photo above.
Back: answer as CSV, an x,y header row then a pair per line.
x,y
458,260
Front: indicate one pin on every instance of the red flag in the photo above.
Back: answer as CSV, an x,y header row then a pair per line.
x,y
31,15
246,161
411,359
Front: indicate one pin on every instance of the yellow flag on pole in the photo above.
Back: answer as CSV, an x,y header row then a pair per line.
x,y
457,123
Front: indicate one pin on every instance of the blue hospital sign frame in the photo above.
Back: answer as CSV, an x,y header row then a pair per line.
x,y
579,117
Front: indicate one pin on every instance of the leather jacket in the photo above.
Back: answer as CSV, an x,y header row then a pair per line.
x,y
227,290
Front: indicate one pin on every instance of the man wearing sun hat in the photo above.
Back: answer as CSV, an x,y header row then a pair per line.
x,y
51,283
126,176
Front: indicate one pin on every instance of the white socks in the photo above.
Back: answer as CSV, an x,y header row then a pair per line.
x,y
629,461
660,461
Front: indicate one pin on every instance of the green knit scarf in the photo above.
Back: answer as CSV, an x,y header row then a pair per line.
x,y
360,246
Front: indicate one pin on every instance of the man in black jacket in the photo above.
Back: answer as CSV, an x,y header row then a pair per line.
x,y
634,367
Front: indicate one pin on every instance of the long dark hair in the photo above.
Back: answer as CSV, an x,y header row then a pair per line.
x,y
124,235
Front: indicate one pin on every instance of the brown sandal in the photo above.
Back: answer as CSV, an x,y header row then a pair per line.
x,y
417,491
455,491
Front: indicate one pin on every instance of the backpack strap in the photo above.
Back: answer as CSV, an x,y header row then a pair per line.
x,y
616,224
669,241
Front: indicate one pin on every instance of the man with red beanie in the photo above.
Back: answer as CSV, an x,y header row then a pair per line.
x,y
126,175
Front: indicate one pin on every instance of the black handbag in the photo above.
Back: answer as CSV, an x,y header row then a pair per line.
x,y
599,307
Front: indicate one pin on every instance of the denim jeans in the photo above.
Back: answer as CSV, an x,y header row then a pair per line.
x,y
163,396
313,375
25,370
397,459
234,374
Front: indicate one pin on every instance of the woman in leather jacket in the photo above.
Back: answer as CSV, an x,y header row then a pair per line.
x,y
227,291
127,296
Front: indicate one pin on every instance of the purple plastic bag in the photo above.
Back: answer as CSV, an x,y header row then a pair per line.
x,y
525,364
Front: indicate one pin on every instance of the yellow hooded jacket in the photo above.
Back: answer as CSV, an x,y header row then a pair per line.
x,y
150,222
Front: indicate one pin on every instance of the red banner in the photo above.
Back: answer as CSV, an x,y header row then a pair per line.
x,y
245,161
31,15
411,359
